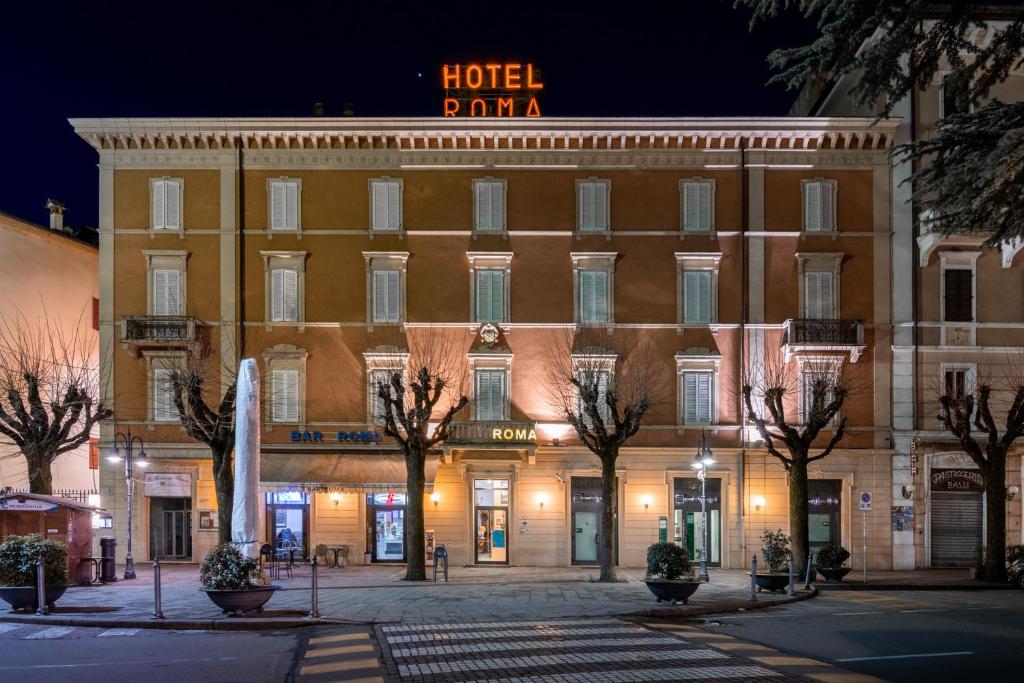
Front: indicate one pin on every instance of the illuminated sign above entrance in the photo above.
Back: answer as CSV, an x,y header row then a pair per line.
x,y
499,90
487,432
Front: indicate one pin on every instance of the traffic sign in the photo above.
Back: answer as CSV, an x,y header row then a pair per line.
x,y
865,500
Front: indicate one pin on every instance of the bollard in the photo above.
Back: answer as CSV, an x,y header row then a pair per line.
x,y
41,607
314,611
158,612
753,578
789,566
810,565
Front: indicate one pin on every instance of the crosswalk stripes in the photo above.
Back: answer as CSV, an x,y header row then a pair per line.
x,y
50,633
341,656
4,628
117,632
570,651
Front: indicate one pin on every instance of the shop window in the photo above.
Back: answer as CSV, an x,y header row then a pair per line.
x,y
593,199
386,204
698,210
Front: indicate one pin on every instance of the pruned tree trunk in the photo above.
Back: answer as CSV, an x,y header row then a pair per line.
x,y
224,485
799,536
40,477
995,522
415,564
606,548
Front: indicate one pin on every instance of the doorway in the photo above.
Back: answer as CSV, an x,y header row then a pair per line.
x,y
288,522
491,501
690,531
385,526
170,528
586,521
824,516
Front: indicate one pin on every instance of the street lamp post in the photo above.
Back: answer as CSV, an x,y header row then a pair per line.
x,y
126,442
700,463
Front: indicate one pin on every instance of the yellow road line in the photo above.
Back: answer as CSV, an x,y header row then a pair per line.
x,y
338,638
343,650
331,667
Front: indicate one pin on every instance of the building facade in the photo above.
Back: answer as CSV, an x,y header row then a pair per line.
x,y
50,278
957,317
325,247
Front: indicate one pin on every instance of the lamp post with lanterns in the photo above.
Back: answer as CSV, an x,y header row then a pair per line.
x,y
123,451
701,461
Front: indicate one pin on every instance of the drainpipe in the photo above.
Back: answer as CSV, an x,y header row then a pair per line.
x,y
744,284
240,289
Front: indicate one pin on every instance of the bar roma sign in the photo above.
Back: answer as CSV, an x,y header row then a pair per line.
x,y
498,90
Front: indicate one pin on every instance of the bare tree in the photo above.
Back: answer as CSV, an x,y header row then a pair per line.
x,y
204,401
824,389
419,403
603,387
959,411
49,391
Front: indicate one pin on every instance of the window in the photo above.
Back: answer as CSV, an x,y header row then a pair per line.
x,y
285,398
378,377
819,300
386,296
284,204
385,286
284,285
164,409
958,295
958,380
593,296
592,205
165,195
818,378
166,290
698,210
697,287
386,204
490,296
819,206
381,364
594,378
697,397
489,205
952,100
489,392
95,314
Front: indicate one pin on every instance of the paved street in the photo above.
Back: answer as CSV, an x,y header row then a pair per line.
x,y
898,635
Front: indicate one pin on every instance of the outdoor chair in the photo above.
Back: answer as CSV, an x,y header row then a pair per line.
x,y
321,552
343,556
268,558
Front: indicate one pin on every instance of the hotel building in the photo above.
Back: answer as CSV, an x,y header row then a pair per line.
x,y
317,245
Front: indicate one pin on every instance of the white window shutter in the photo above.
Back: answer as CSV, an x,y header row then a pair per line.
x,y
826,297
593,296
284,301
490,296
490,394
380,296
697,206
828,205
497,296
813,207
704,397
815,297
394,205
172,204
376,379
690,398
602,393
697,296
380,205
704,210
393,295
157,204
483,207
166,292
285,401
164,409
497,206
292,205
593,206
277,295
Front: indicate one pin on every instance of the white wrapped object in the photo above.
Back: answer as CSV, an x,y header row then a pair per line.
x,y
247,513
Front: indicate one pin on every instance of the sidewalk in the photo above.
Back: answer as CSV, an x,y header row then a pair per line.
x,y
374,595
918,580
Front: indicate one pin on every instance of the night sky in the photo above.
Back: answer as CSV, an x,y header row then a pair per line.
x,y
81,59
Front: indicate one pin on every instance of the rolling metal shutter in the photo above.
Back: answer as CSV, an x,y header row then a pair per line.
x,y
956,528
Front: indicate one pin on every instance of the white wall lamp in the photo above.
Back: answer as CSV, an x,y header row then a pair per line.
x,y
757,502
435,498
335,498
907,491
1011,492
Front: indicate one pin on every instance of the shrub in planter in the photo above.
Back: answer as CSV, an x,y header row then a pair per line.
x,y
234,582
830,561
18,555
670,575
775,549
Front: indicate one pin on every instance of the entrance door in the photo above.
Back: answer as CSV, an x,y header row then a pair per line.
x,y
586,520
170,528
824,517
288,522
491,497
689,527
385,516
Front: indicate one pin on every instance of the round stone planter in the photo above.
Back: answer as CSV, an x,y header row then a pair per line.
x,y
240,602
773,582
24,597
834,574
672,591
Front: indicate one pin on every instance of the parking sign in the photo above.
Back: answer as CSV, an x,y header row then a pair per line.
x,y
865,500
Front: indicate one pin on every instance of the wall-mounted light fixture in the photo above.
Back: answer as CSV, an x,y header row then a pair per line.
x,y
1011,492
646,500
335,498
907,491
94,500
757,502
435,498
541,499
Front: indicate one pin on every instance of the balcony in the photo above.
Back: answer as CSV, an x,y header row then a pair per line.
x,y
158,332
823,335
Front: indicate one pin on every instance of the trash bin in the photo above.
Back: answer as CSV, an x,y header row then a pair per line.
x,y
108,566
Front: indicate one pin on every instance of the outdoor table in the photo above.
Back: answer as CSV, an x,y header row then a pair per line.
x,y
336,552
95,571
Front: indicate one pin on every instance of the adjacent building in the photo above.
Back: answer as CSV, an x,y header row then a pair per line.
x,y
321,246
50,277
957,316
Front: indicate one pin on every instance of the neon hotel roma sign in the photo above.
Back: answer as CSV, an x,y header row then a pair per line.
x,y
491,90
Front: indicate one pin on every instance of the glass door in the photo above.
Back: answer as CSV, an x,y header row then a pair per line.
x,y
824,513
385,516
491,520
288,523
689,526
586,520
170,528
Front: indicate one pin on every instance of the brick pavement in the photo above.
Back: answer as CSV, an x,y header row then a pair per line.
x,y
377,595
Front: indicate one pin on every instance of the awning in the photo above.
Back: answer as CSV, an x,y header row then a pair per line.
x,y
344,472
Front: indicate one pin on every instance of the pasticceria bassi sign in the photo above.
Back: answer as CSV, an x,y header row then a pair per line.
x,y
491,89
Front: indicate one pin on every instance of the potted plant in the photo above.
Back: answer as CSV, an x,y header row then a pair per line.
x,y
775,550
669,573
234,582
830,563
18,556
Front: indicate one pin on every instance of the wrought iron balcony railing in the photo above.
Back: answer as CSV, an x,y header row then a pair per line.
x,y
158,329
807,332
